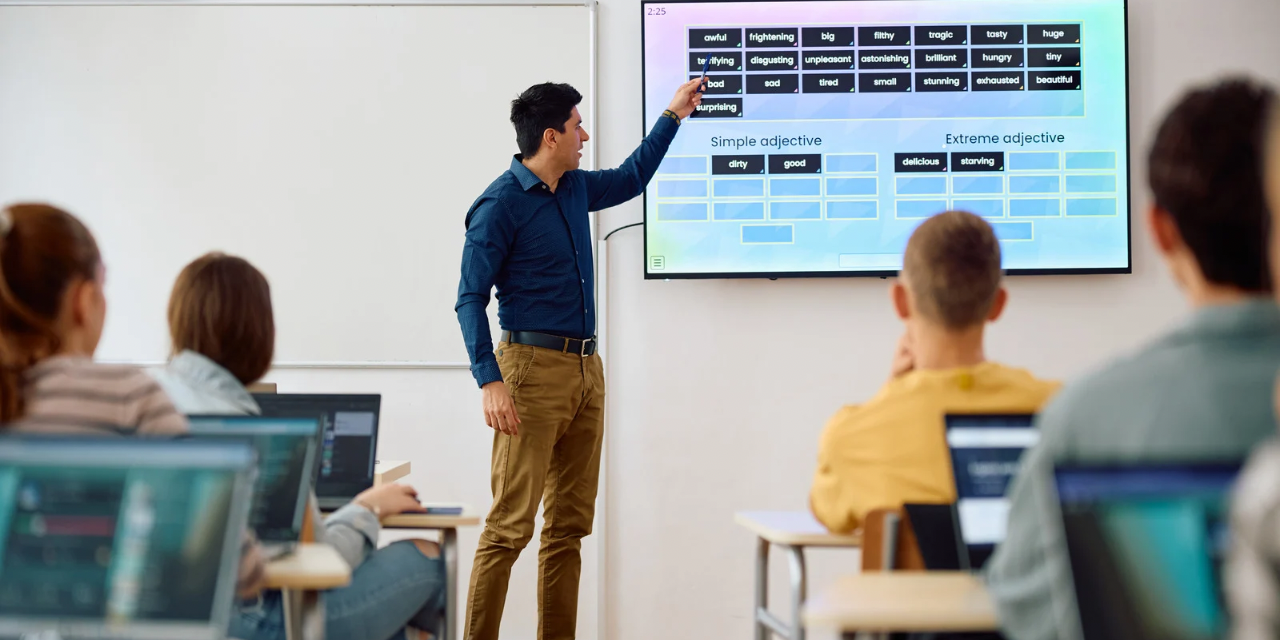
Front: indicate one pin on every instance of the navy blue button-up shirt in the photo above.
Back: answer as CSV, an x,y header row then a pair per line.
x,y
535,246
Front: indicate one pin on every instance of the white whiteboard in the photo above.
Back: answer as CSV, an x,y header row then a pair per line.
x,y
336,147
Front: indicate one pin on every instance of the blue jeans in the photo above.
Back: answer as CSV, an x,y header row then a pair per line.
x,y
394,587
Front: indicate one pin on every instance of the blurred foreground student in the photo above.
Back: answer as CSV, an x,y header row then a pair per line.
x,y
222,328
892,450
52,310
1201,392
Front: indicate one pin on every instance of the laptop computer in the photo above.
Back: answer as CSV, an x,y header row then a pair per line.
x,y
349,442
1146,544
986,450
132,538
288,451
935,529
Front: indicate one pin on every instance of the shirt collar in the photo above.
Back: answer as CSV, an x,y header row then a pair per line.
x,y
1254,316
200,372
522,173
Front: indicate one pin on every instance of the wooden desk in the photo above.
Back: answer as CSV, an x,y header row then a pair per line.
x,y
310,568
389,471
903,601
427,521
793,531
448,528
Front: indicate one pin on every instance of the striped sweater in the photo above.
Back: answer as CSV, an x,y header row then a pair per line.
x,y
73,395
67,395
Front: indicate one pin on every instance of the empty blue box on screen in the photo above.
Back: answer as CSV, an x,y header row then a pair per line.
x,y
739,188
1091,160
984,208
685,165
795,210
1034,184
765,234
856,163
1092,207
931,186
682,211
1091,184
977,184
1013,230
1033,161
1046,208
855,210
920,208
682,189
851,186
795,187
739,211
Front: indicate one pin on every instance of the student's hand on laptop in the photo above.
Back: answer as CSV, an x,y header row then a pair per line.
x,y
500,409
390,499
903,360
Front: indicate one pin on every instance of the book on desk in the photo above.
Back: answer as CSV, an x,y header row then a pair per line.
x,y
443,510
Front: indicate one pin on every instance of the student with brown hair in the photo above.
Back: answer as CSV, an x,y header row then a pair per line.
x,y
52,310
891,450
223,331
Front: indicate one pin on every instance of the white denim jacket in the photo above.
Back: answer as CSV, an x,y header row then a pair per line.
x,y
198,385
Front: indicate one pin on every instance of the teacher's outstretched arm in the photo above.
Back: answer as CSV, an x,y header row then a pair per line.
x,y
612,187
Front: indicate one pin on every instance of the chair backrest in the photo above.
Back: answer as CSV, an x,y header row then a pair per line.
x,y
889,543
309,525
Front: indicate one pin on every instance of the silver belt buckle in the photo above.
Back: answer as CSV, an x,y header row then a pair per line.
x,y
583,352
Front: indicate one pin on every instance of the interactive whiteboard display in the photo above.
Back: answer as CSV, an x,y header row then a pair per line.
x,y
830,129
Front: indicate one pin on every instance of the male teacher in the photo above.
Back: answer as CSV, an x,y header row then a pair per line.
x,y
528,234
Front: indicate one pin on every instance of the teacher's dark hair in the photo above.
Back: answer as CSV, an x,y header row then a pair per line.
x,y
1205,170
543,106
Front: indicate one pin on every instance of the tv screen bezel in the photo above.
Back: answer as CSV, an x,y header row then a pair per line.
x,y
1127,269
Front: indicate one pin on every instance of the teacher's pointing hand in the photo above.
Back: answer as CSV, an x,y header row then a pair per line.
x,y
687,98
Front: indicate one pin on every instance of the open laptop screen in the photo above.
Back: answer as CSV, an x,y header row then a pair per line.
x,y
349,426
985,456
1146,545
120,538
287,452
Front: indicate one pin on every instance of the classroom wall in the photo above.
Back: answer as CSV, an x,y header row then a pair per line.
x,y
719,389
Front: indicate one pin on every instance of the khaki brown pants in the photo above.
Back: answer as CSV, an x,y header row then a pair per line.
x,y
554,459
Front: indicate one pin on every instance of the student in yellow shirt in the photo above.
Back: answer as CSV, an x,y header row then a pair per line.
x,y
892,450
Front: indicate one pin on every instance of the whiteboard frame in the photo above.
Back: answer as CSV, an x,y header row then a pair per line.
x,y
593,58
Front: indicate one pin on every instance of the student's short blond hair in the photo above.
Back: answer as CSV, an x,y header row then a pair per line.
x,y
952,267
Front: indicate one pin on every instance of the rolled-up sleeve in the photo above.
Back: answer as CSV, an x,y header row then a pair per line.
x,y
612,187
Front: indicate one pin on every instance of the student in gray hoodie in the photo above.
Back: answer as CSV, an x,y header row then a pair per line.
x,y
223,332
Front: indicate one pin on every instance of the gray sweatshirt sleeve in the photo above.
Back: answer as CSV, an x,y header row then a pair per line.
x,y
352,531
1028,577
1251,579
